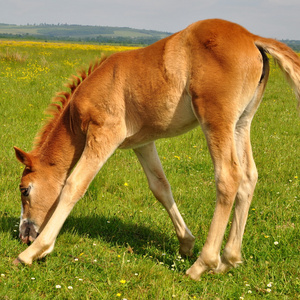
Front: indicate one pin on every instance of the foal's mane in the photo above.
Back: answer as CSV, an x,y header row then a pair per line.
x,y
62,99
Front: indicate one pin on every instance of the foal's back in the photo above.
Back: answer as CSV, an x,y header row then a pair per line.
x,y
150,90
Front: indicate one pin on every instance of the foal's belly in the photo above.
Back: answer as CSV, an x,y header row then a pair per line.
x,y
175,120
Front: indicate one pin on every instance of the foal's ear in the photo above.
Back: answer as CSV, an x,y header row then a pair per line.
x,y
23,157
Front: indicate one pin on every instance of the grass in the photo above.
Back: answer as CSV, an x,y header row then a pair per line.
x,y
118,242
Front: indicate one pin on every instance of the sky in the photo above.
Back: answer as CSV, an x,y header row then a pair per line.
x,y
270,18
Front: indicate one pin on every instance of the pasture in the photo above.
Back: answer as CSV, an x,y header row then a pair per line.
x,y
118,242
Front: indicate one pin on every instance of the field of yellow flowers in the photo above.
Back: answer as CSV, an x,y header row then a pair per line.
x,y
36,56
118,242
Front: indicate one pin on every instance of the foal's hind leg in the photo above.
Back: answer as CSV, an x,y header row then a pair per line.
x,y
228,176
161,189
220,138
232,252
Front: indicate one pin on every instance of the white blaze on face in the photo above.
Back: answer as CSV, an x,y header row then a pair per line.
x,y
21,220
28,231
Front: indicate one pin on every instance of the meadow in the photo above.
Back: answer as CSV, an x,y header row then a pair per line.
x,y
118,242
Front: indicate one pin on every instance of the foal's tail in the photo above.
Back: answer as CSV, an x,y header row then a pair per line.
x,y
286,58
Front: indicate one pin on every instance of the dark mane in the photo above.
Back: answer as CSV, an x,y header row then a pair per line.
x,y
62,99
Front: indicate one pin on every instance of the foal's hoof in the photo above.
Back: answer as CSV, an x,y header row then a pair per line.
x,y
186,247
186,252
17,262
194,274
196,270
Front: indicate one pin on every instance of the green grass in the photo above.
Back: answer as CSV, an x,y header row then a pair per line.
x,y
118,242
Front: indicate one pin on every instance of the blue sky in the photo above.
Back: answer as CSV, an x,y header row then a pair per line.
x,y
270,18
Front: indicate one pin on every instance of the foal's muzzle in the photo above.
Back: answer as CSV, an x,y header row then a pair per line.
x,y
28,232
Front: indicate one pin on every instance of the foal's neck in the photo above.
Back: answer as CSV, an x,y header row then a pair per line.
x,y
63,145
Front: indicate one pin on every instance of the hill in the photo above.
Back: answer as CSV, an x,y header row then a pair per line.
x,y
99,34
94,34
294,44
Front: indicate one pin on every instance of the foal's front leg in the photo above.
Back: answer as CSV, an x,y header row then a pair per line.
x,y
99,147
161,189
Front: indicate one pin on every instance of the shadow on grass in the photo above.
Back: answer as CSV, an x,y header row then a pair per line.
x,y
123,233
8,223
138,238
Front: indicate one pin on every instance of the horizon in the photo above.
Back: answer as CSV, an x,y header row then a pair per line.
x,y
88,25
269,18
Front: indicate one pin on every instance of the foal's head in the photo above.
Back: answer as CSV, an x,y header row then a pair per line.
x,y
42,179
39,194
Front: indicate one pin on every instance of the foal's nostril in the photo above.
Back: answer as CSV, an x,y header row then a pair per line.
x,y
27,230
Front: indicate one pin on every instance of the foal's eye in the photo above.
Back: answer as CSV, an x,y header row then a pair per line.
x,y
25,191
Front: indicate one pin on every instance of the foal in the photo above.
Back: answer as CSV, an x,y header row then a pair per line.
x,y
214,74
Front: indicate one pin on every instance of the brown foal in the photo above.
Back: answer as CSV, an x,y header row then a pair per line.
x,y
211,74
